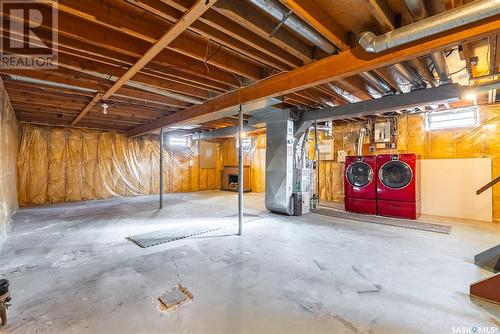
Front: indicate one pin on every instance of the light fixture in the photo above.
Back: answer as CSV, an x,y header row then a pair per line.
x,y
105,107
471,96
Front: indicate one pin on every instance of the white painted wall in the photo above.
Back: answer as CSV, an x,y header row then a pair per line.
x,y
449,188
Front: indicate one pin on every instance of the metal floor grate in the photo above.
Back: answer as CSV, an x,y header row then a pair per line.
x,y
155,238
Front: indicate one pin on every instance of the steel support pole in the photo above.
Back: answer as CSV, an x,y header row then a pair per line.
x,y
240,174
161,168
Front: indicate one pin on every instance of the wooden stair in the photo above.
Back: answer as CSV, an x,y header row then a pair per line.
x,y
487,289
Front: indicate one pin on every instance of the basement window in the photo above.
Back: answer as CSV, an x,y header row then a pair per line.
x,y
178,141
451,119
247,143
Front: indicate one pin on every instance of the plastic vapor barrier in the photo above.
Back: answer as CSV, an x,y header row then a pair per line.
x,y
64,164
8,154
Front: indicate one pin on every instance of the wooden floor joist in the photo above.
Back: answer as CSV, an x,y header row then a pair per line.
x,y
345,64
185,21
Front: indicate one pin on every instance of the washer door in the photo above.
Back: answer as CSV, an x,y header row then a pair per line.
x,y
395,174
359,174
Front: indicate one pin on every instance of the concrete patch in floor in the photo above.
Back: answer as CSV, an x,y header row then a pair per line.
x,y
176,297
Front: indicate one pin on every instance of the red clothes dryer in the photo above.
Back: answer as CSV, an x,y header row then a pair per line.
x,y
360,184
398,185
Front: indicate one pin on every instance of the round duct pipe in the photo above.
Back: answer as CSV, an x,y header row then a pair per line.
x,y
275,9
377,82
471,12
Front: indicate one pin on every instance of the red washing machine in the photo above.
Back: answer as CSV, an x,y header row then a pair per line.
x,y
360,184
398,185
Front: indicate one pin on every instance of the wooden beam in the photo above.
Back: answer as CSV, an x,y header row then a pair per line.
x,y
497,54
88,54
347,63
189,17
423,71
130,95
120,16
187,54
354,85
382,13
313,15
221,29
104,71
466,55
494,53
242,13
384,74
87,109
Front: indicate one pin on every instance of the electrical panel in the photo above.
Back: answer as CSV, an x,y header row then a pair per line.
x,y
382,132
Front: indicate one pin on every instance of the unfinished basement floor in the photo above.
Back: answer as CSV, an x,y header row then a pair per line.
x,y
72,271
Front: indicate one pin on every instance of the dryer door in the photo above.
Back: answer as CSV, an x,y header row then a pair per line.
x,y
395,174
359,174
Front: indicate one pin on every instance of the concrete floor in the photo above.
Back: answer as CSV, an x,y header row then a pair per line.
x,y
72,271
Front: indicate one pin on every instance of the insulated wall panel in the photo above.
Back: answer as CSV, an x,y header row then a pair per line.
x,y
56,188
62,164
74,163
8,156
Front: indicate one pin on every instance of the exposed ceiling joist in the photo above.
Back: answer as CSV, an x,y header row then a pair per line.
x,y
308,11
189,17
345,64
382,13
242,13
220,29
423,71
442,94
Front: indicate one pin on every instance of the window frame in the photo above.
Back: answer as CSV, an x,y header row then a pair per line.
x,y
431,125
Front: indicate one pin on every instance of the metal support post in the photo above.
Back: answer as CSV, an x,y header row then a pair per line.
x,y
161,168
240,174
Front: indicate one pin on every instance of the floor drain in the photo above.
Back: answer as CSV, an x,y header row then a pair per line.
x,y
174,298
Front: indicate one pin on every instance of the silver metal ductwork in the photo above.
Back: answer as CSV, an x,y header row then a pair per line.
x,y
278,11
275,9
377,82
417,9
439,60
472,12
279,166
345,94
419,12
409,75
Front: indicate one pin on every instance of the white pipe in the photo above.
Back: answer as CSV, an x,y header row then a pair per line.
x,y
360,141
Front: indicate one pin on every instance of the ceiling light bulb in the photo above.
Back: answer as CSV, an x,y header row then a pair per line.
x,y
105,107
